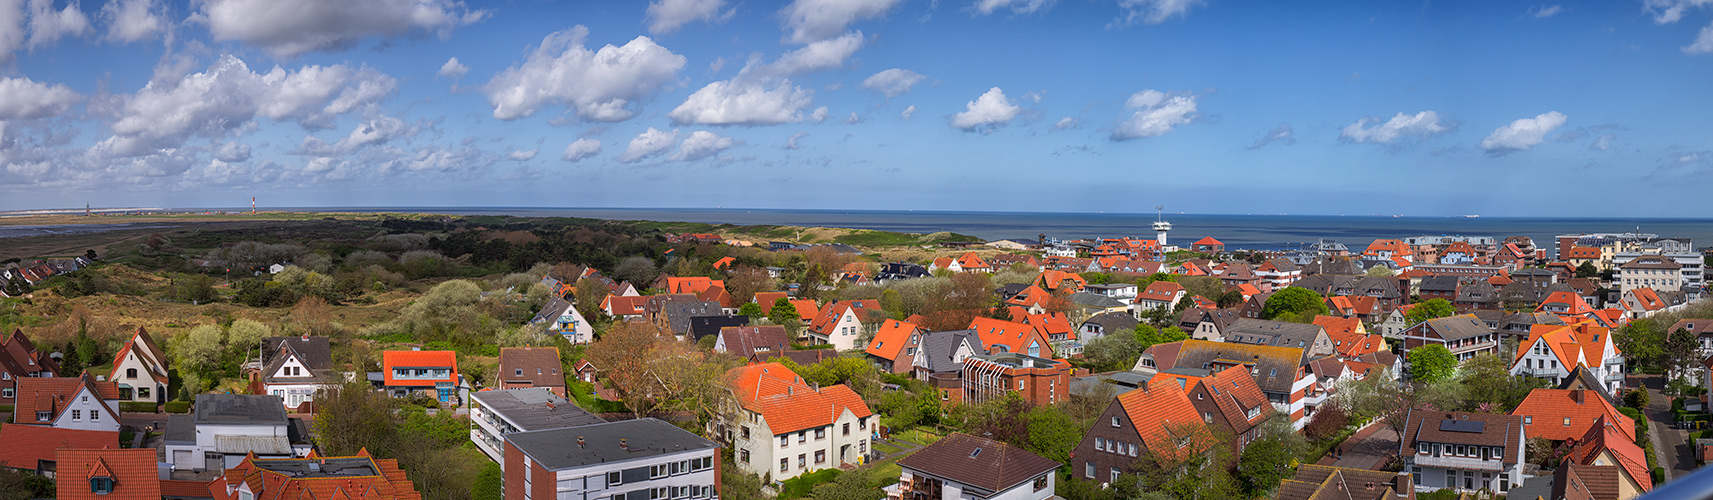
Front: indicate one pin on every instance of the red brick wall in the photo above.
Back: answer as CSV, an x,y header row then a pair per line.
x,y
513,485
1104,461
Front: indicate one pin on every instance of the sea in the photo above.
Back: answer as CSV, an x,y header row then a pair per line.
x,y
1246,231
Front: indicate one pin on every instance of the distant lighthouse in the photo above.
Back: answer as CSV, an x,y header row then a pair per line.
x,y
1160,224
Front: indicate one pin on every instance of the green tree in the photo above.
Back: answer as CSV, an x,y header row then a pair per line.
x,y
1112,352
1636,398
1146,335
1229,299
352,417
1052,433
1487,380
1587,270
588,295
1302,302
752,310
201,347
893,303
851,485
1431,363
1642,341
784,314
1264,464
246,334
488,483
1380,270
1436,308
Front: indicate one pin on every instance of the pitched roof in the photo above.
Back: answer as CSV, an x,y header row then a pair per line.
x,y
890,339
1050,324
1561,414
1446,427
28,444
1163,416
53,394
1573,344
1585,482
938,349
1114,321
767,299
969,260
1327,482
536,366
1605,435
1275,367
691,284
1031,296
980,462
1339,328
744,341
1582,253
1208,240
155,368
622,305
358,477
1009,336
19,357
787,403
1234,392
1161,291
867,311
1457,327
132,471
418,359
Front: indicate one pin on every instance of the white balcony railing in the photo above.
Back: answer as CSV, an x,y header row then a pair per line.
x,y
1459,463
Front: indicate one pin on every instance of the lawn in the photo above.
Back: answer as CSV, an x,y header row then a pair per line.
x,y
917,436
884,447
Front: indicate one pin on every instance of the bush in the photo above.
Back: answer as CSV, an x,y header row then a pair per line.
x,y
137,407
488,483
1637,398
799,487
5,408
1636,415
177,406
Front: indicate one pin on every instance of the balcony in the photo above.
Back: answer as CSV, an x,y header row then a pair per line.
x,y
1448,462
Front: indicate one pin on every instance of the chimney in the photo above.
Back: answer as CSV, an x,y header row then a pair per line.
x,y
580,442
623,444
549,405
306,336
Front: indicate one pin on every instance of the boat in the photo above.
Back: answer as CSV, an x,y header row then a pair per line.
x,y
1470,216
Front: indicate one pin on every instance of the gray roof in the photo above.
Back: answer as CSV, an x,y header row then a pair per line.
x,y
240,409
535,409
702,326
1439,283
939,347
1114,321
1093,300
316,352
558,449
181,429
678,313
1278,333
321,467
1458,327
551,310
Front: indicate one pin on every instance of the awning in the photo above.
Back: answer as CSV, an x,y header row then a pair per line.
x,y
260,445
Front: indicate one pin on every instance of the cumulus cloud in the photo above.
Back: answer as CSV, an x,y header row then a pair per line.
x,y
908,112
522,155
23,98
600,85
1671,11
133,20
893,82
1545,11
1282,134
580,149
853,118
453,69
1371,130
701,144
820,115
1703,43
229,95
819,55
791,142
48,25
1154,113
232,152
666,16
814,20
1151,11
985,7
288,29
987,112
735,102
648,144
1522,134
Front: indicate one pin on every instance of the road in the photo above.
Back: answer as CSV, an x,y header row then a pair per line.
x,y
1671,446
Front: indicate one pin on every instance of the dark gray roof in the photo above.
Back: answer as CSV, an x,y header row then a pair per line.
x,y
321,467
1114,322
678,313
181,429
1585,379
1458,327
1439,283
1278,333
557,449
1479,292
939,347
535,409
316,352
551,310
702,326
1011,290
1093,300
239,409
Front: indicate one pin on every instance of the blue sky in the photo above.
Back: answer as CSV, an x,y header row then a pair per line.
x,y
1206,106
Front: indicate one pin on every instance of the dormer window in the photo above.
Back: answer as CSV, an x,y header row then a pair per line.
x,y
101,485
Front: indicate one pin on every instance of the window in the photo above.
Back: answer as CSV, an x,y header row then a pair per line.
x,y
1567,421
78,415
1088,470
784,441
1114,475
1040,483
820,456
820,433
1528,420
744,431
862,447
802,436
101,485
613,479
862,423
1132,449
802,460
783,463
94,416
130,373
43,416
517,372
743,455
6,393
1115,421
1099,443
847,429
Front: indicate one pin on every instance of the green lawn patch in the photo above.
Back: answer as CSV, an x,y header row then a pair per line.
x,y
918,436
884,447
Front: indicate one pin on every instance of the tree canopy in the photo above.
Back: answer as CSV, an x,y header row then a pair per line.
x,y
1431,363
1300,302
1435,308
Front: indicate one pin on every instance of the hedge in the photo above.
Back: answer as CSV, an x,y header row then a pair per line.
x,y
137,407
799,487
177,406
6,408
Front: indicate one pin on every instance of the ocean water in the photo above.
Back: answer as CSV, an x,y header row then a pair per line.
x,y
1269,232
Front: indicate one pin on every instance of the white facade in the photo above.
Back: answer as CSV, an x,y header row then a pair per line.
x,y
1467,472
85,411
1393,325
1540,361
756,449
209,438
137,370
293,383
571,325
1038,488
844,334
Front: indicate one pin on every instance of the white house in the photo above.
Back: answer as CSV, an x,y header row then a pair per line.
x,y
297,368
563,319
784,427
1466,452
842,323
140,369
1553,352
962,466
79,403
227,427
1159,295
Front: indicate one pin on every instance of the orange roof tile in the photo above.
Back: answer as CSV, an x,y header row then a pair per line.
x,y
767,299
27,444
1582,253
132,471
1162,291
890,339
691,284
724,262
1031,296
867,311
1163,416
788,404
1050,324
1606,435
51,394
1549,410
1009,336
419,359
388,482
1208,240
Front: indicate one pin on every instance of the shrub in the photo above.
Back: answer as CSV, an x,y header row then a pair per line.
x,y
799,487
1637,398
1634,414
137,406
177,406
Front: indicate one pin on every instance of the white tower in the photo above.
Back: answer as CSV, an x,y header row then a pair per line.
x,y
1160,224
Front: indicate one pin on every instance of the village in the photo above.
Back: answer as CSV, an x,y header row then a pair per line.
x,y
1439,366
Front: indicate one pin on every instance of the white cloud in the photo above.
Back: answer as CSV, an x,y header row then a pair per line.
x,y
600,85
819,55
133,20
1523,133
815,20
908,112
48,25
1671,11
649,143
1545,11
1370,130
701,144
1065,123
740,102
523,155
1283,134
666,16
985,7
853,118
987,112
1602,143
893,82
820,115
228,95
580,149
232,152
791,142
22,98
453,69
1154,113
11,29
1151,11
288,29
1703,43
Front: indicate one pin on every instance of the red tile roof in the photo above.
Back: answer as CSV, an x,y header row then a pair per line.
x,y
867,311
156,368
419,359
1209,241
619,305
20,357
788,404
969,260
691,284
1606,436
1010,336
1582,253
28,444
388,483
767,299
1548,410
1031,296
1051,323
1235,392
1163,416
891,339
1647,299
1162,291
724,262
807,309
1053,279
52,394
132,471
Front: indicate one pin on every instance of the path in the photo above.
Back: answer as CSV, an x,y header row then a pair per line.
x,y
1671,446
1367,449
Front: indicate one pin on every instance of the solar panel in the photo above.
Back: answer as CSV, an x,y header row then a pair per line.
x,y
1472,426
